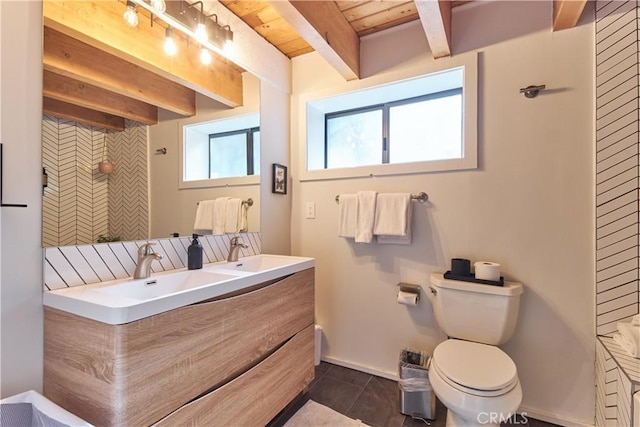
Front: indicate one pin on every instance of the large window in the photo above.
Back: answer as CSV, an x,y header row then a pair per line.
x,y
421,124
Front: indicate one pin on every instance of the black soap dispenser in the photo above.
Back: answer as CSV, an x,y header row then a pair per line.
x,y
194,254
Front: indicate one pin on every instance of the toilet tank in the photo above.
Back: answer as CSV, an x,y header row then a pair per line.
x,y
475,312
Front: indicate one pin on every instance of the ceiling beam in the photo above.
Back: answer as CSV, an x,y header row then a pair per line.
x,y
435,16
61,88
566,13
76,113
72,58
142,45
326,29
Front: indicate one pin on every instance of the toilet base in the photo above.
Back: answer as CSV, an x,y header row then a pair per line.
x,y
454,420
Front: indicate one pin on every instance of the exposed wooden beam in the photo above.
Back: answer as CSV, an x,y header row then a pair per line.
x,y
435,16
100,24
75,59
566,13
61,88
325,28
67,111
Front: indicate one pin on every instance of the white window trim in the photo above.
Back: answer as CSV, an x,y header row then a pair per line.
x,y
469,131
216,182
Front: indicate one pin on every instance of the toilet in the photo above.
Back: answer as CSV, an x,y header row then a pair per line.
x,y
472,377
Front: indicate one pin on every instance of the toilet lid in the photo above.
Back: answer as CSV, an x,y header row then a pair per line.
x,y
475,366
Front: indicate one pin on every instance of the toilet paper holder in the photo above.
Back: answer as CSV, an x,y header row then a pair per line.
x,y
410,288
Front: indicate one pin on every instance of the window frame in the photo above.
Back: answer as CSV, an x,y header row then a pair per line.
x,y
316,105
249,133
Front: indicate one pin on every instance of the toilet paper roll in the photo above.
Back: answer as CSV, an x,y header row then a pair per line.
x,y
486,270
407,298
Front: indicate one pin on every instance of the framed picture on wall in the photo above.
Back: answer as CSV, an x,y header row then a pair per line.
x,y
279,184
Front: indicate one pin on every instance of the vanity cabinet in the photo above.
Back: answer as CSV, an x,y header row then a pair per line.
x,y
237,359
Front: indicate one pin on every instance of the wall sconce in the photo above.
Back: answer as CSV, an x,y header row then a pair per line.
x,y
159,5
170,47
205,55
131,14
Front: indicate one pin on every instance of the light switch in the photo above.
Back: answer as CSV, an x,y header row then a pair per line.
x,y
311,210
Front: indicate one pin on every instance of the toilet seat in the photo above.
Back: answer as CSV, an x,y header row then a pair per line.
x,y
474,368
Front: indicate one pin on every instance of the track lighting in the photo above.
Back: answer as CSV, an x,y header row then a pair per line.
x,y
205,56
130,14
159,5
170,47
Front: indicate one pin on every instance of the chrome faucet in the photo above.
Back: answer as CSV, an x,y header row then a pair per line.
x,y
145,257
234,248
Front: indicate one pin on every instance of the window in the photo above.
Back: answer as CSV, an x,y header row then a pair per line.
x,y
222,152
422,124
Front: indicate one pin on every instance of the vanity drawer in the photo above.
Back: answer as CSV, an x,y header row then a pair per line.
x,y
137,373
258,395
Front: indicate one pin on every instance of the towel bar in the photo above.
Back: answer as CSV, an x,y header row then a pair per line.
x,y
248,202
420,197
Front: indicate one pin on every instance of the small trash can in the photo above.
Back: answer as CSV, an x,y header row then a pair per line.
x,y
417,398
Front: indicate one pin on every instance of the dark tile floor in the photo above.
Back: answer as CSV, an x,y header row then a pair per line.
x,y
371,399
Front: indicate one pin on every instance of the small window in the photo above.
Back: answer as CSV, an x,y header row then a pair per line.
x,y
235,153
422,124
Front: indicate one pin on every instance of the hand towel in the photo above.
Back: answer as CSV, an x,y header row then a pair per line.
x,y
365,216
243,223
629,338
392,214
232,215
399,240
204,215
347,210
635,320
219,215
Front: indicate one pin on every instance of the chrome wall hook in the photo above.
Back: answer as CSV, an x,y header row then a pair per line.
x,y
531,91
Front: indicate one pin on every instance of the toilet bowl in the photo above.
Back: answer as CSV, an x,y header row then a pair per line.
x,y
478,383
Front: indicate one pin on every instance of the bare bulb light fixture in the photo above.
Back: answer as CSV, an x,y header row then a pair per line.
x,y
201,32
170,47
159,5
130,14
205,56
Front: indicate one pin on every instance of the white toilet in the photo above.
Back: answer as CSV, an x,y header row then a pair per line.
x,y
474,379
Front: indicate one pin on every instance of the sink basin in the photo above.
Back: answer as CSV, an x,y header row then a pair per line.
x,y
125,300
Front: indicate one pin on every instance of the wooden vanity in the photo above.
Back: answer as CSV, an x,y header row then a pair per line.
x,y
238,359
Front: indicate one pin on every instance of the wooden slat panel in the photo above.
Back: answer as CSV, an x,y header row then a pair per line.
x,y
76,113
220,80
111,374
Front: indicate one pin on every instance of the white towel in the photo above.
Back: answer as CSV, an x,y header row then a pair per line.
x,y
628,336
243,223
399,240
635,320
347,210
392,214
232,215
365,216
204,215
219,215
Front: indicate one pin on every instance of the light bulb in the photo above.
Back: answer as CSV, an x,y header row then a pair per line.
x,y
201,32
205,56
170,47
130,15
159,5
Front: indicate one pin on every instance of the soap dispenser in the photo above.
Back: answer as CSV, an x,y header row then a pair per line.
x,y
194,254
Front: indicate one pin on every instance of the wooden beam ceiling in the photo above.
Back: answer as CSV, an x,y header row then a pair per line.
x,y
76,113
566,13
100,25
324,27
435,16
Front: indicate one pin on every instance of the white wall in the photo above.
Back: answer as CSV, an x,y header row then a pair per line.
x,y
21,263
528,206
172,209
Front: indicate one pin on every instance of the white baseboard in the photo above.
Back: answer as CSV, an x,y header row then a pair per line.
x,y
530,412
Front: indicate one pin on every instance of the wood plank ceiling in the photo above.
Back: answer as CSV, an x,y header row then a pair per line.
x,y
95,74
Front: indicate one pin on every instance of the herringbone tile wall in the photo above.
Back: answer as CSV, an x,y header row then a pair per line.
x,y
80,203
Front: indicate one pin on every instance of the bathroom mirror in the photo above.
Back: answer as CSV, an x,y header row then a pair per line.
x,y
103,183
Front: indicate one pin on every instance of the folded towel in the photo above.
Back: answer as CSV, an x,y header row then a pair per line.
x,y
204,215
392,214
629,338
386,239
232,215
219,215
635,320
347,211
365,216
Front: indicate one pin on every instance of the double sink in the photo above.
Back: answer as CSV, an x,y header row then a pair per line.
x,y
125,300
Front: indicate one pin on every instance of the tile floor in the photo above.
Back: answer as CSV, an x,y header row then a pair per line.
x,y
371,399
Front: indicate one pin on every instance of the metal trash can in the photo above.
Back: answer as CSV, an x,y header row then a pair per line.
x,y
417,398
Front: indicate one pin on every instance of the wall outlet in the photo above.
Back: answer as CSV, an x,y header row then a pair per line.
x,y
310,213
